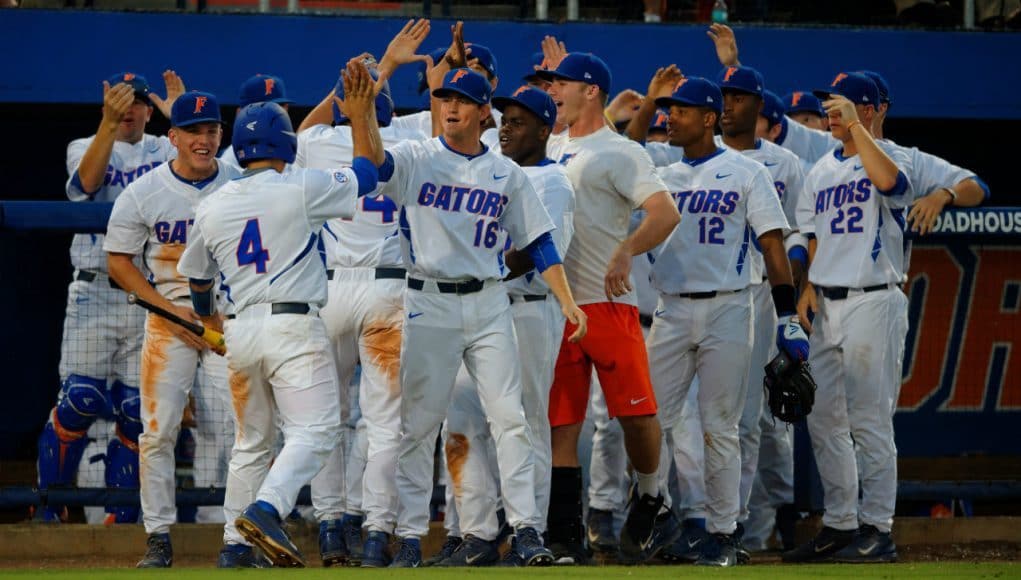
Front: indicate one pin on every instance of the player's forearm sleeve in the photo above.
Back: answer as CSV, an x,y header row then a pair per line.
x,y
202,300
386,170
543,252
367,174
798,254
899,187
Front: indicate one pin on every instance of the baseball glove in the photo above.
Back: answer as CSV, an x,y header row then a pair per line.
x,y
790,388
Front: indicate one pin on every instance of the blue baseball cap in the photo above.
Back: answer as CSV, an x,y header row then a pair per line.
x,y
194,107
423,80
802,102
582,67
533,99
536,61
467,82
485,56
741,78
856,87
263,88
694,92
659,121
881,84
772,108
137,82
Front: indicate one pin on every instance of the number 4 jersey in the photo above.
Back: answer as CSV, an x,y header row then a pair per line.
x,y
260,231
859,230
725,199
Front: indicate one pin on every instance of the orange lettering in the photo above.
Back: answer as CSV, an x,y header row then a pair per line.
x,y
200,103
459,75
796,98
730,72
269,86
840,77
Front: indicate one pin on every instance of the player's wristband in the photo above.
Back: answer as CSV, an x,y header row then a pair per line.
x,y
785,299
853,124
202,300
953,195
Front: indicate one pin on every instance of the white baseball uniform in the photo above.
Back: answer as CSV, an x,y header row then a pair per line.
x,y
259,233
663,154
421,123
152,218
857,345
363,317
452,207
539,328
704,320
808,144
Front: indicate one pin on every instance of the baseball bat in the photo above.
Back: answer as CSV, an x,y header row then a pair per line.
x,y
212,337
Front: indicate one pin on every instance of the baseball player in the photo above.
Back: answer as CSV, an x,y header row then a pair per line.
x,y
363,316
259,232
703,272
612,177
102,335
806,108
852,210
527,122
663,152
454,197
151,219
259,88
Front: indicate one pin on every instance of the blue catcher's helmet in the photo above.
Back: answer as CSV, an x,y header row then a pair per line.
x,y
264,131
384,102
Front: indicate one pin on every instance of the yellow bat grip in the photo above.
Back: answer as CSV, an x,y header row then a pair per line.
x,y
215,340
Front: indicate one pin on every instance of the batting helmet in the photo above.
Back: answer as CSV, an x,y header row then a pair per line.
x,y
264,131
384,102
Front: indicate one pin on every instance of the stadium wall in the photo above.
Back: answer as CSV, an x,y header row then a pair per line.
x,y
934,74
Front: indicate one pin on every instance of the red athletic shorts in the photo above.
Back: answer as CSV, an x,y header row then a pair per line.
x,y
615,345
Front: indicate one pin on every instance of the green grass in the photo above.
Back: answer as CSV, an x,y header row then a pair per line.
x,y
892,571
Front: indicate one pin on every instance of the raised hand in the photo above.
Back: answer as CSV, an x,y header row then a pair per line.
x,y
117,100
359,91
175,88
553,51
842,106
403,49
726,44
664,81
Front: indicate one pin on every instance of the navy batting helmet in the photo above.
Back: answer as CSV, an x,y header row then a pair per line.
x,y
264,131
384,102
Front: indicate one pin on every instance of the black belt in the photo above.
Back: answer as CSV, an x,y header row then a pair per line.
x,y
381,274
467,287
699,295
87,276
284,308
527,298
645,320
840,293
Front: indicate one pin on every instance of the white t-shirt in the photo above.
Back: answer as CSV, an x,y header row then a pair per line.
x,y
369,239
612,176
663,154
152,218
724,198
260,231
858,230
453,206
128,162
554,188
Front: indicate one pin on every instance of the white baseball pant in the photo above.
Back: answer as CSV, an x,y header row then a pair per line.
x,y
763,349
857,350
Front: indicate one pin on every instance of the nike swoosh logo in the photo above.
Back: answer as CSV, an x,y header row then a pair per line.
x,y
718,176
474,558
659,313
859,167
81,299
823,548
499,177
868,550
415,314
692,542
636,401
768,164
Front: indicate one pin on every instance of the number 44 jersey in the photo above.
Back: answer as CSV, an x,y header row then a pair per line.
x,y
725,199
260,231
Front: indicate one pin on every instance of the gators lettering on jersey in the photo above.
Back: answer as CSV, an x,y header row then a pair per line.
x,y
369,239
859,230
128,162
452,206
554,188
723,198
152,218
260,231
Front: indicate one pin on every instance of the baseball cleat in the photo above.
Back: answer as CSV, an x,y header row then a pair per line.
x,y
240,556
409,555
822,547
688,546
260,524
870,546
332,548
352,532
511,559
601,538
158,554
743,555
472,552
449,545
374,553
719,550
647,530
530,548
